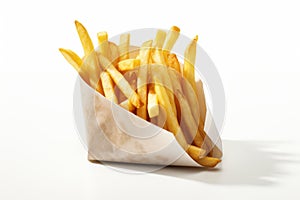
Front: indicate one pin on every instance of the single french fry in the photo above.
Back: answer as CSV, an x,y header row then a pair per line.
x,y
85,39
189,62
145,52
108,87
209,161
152,106
171,38
103,43
196,152
120,81
131,77
157,54
158,57
128,64
127,105
159,39
113,53
72,58
192,99
173,62
202,101
124,46
142,91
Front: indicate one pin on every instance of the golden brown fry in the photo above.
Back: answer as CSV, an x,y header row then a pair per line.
x,y
92,70
158,57
72,58
192,99
108,87
144,53
127,105
201,100
131,77
172,61
124,46
85,39
103,43
120,81
128,64
208,161
102,37
142,91
171,38
152,106
189,62
157,54
196,152
91,66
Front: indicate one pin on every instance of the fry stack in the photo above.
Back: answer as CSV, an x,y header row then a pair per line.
x,y
150,82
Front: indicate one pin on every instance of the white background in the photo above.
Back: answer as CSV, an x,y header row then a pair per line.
x,y
255,46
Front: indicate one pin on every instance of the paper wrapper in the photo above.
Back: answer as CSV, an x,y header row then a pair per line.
x,y
111,133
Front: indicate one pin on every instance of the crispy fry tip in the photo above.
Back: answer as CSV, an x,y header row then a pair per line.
x,y
196,38
175,28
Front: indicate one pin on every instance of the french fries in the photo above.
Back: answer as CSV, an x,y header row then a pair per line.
x,y
152,106
128,64
144,55
150,82
85,39
171,38
103,43
189,62
120,81
108,87
127,105
72,58
172,62
124,46
159,39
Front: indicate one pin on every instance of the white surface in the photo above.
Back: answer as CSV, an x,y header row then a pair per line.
x,y
256,47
